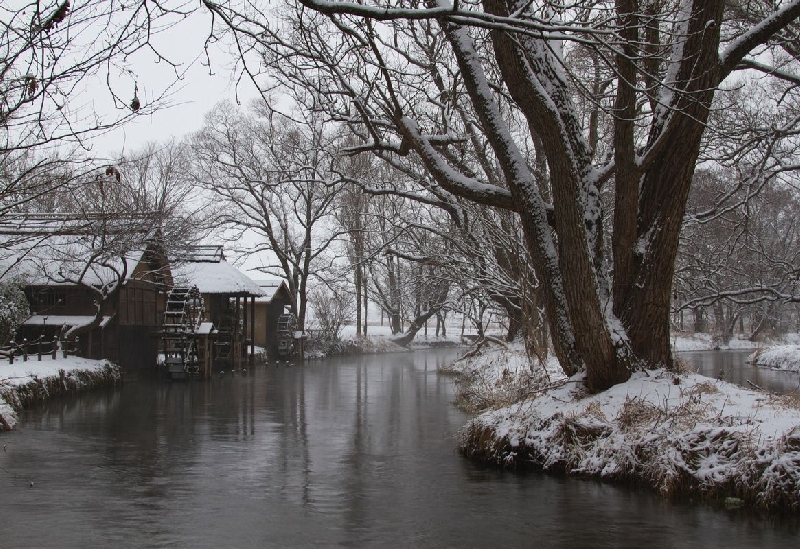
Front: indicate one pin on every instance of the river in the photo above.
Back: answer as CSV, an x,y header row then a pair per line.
x,y
732,366
356,452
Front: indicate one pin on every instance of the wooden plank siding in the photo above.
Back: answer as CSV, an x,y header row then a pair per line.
x,y
266,319
136,314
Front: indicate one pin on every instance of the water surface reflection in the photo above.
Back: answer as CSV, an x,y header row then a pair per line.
x,y
732,366
348,452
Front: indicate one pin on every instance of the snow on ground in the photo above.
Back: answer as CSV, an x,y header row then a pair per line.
x,y
500,374
681,434
379,340
349,331
380,334
779,357
706,342
23,372
692,342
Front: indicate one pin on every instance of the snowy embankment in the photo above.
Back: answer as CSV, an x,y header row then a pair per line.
x,y
499,375
24,383
779,357
680,433
706,342
379,339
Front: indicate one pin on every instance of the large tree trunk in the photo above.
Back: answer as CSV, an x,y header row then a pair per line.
x,y
607,327
569,275
642,294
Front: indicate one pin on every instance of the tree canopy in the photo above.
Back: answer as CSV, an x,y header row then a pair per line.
x,y
586,119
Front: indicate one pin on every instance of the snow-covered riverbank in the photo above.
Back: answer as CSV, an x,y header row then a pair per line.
x,y
778,357
26,382
682,434
707,342
379,340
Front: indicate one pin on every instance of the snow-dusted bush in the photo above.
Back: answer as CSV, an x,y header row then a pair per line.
x,y
14,309
332,311
499,374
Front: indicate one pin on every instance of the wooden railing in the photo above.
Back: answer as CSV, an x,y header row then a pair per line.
x,y
38,348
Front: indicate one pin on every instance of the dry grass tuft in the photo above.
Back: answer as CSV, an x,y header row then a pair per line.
x,y
681,366
481,443
594,411
637,413
705,387
480,390
576,432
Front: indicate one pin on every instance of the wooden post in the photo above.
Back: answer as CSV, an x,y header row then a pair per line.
x,y
39,349
207,356
236,344
55,346
25,350
252,331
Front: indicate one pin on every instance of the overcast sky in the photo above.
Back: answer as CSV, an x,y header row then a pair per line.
x,y
190,97
184,116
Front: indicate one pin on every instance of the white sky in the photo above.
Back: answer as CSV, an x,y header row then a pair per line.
x,y
190,97
184,116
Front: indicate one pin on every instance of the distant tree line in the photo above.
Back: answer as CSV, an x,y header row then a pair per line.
x,y
591,172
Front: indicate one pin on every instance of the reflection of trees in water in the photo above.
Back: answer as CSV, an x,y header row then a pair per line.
x,y
732,366
369,418
351,451
289,413
230,408
324,436
150,436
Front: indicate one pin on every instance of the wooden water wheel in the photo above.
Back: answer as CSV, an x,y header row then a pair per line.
x,y
183,314
287,324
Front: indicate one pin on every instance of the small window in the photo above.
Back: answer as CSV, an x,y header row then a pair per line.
x,y
47,300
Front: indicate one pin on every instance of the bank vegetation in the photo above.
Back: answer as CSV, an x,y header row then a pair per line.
x,y
54,379
683,435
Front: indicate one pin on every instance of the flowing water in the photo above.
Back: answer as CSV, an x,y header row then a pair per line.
x,y
355,452
732,366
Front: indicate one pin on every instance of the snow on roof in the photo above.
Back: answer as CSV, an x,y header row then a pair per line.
x,y
64,260
270,287
65,320
215,278
201,253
